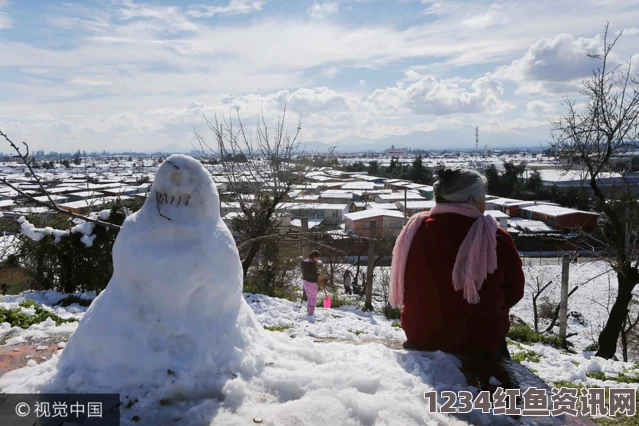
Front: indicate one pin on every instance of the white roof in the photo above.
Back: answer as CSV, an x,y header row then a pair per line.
x,y
366,214
496,214
425,204
554,211
399,196
340,196
381,206
45,199
530,225
312,222
359,185
559,175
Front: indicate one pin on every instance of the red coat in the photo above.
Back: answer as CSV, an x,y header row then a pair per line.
x,y
435,316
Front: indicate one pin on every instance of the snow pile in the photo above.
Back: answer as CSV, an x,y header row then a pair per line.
x,y
556,366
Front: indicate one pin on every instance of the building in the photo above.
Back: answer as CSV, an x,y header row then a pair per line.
x,y
395,152
388,223
398,196
332,214
561,218
500,217
414,207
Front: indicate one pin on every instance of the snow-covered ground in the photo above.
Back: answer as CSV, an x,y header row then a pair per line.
x,y
592,301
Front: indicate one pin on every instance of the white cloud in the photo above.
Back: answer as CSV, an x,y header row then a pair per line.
x,y
362,82
555,64
234,7
412,75
322,10
631,31
5,21
539,107
330,71
439,8
433,97
485,20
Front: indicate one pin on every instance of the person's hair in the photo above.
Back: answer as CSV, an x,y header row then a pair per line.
x,y
313,254
456,185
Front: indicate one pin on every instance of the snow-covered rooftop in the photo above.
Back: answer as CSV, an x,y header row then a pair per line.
x,y
367,214
554,211
496,214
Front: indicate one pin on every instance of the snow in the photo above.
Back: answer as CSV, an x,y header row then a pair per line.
x,y
553,210
36,234
593,301
370,213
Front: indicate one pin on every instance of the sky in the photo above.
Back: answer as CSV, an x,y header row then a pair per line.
x,y
121,75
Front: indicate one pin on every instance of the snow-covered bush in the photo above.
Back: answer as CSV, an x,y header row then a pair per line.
x,y
67,256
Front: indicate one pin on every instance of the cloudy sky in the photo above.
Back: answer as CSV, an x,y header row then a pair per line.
x,y
131,75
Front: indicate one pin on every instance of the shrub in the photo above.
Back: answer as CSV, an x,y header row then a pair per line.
x,y
16,318
277,327
392,313
523,333
598,375
593,347
531,356
70,300
69,265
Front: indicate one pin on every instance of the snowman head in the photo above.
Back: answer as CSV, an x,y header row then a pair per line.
x,y
183,192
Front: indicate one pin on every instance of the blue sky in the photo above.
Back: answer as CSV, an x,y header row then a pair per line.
x,y
124,74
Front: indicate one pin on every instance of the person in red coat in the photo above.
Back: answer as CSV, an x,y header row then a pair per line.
x,y
461,275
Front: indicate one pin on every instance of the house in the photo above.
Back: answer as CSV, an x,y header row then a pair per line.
x,y
398,196
86,206
568,178
413,207
361,186
336,197
561,218
381,206
500,217
331,213
528,226
55,198
388,223
7,205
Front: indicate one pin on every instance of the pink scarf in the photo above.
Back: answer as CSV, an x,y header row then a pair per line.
x,y
477,256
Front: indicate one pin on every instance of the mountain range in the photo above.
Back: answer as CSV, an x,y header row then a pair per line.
x,y
462,138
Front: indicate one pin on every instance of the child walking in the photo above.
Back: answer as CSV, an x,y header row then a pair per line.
x,y
311,277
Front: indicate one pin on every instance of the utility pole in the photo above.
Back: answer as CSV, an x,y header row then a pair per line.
x,y
405,206
368,304
563,304
305,250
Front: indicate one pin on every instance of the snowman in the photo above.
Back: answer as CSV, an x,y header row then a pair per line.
x,y
172,318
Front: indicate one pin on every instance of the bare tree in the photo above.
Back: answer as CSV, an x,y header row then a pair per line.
x,y
538,289
259,170
603,125
26,160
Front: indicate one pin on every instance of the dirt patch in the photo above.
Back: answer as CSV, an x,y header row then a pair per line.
x,y
16,356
